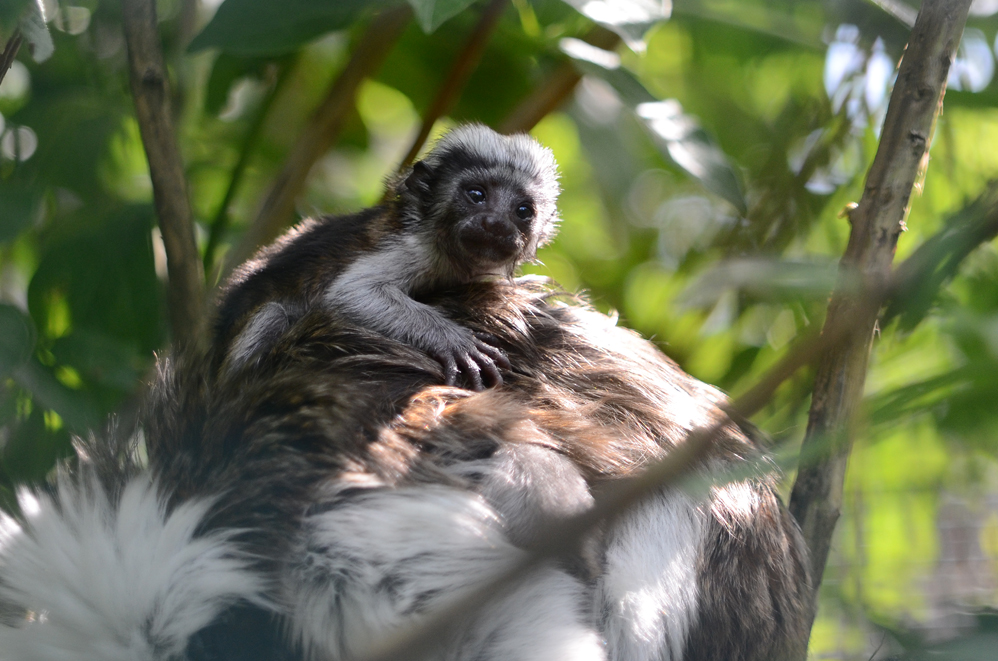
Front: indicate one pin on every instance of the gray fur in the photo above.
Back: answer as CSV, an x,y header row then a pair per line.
x,y
431,236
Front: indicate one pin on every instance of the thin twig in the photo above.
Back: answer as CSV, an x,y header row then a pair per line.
x,y
552,91
150,89
464,65
220,222
10,52
877,222
322,131
560,541
564,540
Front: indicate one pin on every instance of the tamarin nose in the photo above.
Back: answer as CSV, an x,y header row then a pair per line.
x,y
495,225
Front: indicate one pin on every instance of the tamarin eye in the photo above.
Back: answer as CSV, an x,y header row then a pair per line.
x,y
524,211
476,194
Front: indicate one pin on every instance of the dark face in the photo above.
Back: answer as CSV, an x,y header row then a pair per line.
x,y
492,224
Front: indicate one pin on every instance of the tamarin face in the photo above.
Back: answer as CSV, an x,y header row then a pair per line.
x,y
492,222
485,200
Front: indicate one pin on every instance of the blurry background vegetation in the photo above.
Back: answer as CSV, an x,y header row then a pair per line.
x,y
704,160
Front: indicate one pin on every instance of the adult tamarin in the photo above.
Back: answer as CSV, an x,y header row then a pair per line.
x,y
329,480
477,206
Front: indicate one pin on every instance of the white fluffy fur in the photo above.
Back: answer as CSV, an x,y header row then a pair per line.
x,y
531,487
508,153
385,560
647,594
112,582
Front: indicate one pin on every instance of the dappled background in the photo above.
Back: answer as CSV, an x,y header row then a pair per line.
x,y
706,155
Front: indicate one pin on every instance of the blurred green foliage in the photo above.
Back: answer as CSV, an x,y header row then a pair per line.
x,y
703,169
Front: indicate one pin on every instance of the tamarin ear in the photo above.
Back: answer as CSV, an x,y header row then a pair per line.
x,y
418,180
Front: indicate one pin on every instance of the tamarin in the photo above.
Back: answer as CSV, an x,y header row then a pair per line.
x,y
318,491
476,207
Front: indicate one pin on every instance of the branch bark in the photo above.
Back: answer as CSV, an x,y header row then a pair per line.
x,y
321,133
464,64
150,89
552,91
877,222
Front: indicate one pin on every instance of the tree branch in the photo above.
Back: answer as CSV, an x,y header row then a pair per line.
x,y
321,132
220,222
10,52
552,91
876,224
563,540
464,64
150,89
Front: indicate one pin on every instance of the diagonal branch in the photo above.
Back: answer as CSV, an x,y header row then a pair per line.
x,y
150,89
464,65
554,89
321,133
220,223
10,52
876,224
565,539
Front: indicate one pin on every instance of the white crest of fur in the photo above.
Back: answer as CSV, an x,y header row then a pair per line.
x,y
647,593
113,582
531,487
384,561
518,153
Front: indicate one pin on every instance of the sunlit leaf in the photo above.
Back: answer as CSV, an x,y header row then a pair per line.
x,y
692,149
34,446
631,19
101,270
432,13
77,411
36,32
676,133
265,27
101,359
17,339
227,70
768,280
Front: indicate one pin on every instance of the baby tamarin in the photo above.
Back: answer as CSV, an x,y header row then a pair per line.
x,y
477,206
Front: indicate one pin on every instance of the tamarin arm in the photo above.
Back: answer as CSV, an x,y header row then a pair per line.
x,y
374,292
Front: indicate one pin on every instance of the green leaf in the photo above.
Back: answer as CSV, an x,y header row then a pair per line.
x,y
101,359
18,207
77,411
677,135
17,339
10,12
97,273
36,32
227,70
692,149
767,280
266,27
34,447
430,14
631,19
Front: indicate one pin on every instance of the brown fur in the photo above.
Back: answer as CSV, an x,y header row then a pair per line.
x,y
332,407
